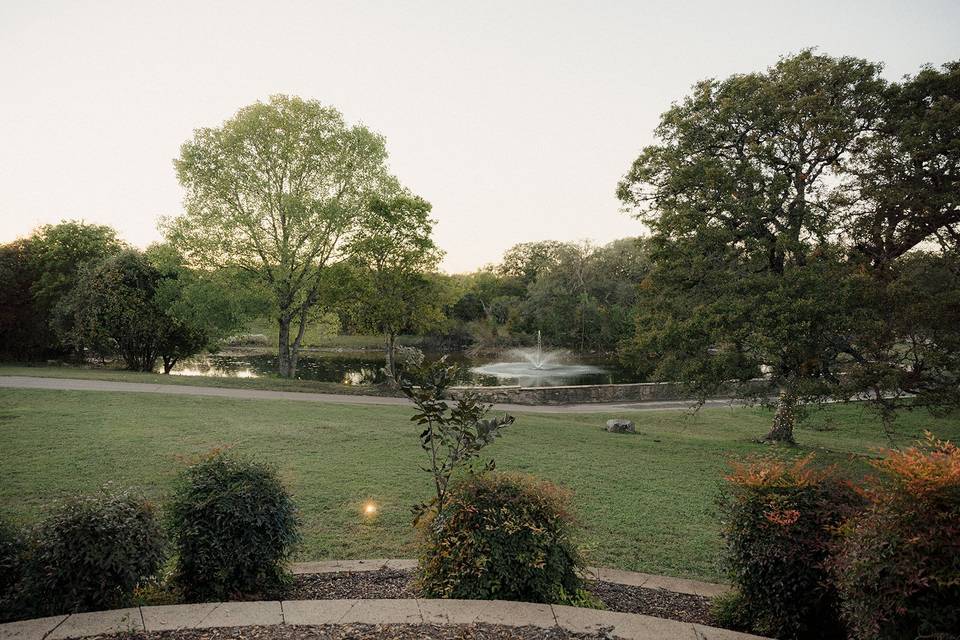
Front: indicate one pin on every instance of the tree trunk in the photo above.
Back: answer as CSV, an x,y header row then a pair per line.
x,y
168,363
391,355
285,365
784,420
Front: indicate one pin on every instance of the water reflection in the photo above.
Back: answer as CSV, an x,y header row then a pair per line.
x,y
366,368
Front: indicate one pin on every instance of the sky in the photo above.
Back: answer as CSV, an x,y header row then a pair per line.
x,y
515,119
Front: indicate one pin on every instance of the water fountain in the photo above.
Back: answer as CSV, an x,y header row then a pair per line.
x,y
536,367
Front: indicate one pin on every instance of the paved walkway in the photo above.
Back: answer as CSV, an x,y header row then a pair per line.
x,y
320,612
76,384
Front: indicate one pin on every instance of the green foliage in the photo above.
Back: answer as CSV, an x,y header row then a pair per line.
x,y
92,553
392,251
234,527
453,434
277,191
730,611
23,331
148,306
780,203
898,569
36,274
502,537
12,555
779,524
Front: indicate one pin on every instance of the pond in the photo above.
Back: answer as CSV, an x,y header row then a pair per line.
x,y
365,367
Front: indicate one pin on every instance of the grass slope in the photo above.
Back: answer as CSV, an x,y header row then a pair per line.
x,y
645,501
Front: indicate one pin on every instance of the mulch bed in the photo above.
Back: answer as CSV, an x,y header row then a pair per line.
x,y
391,583
352,631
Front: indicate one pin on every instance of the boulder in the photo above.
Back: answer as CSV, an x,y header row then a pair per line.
x,y
620,425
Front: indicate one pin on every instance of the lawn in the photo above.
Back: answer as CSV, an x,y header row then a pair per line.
x,y
645,500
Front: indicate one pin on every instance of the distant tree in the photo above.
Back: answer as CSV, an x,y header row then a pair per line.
x,y
586,301
278,190
202,307
527,260
20,336
113,309
147,306
393,250
469,307
58,253
749,199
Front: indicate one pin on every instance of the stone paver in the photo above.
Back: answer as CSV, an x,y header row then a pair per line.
x,y
34,629
682,585
619,576
241,614
169,617
97,622
489,611
712,633
623,625
371,611
303,612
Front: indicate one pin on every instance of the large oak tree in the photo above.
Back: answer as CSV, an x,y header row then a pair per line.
x,y
278,190
783,205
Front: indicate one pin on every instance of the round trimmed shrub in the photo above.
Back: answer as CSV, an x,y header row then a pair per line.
x,y
501,537
234,528
93,552
779,522
898,570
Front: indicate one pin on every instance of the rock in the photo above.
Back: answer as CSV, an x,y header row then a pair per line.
x,y
620,425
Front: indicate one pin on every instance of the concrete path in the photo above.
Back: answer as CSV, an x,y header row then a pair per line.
x,y
76,384
323,612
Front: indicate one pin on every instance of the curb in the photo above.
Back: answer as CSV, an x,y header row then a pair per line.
x,y
616,576
319,612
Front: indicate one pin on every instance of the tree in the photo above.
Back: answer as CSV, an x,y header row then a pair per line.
x,y
20,336
113,309
754,266
393,250
58,254
147,306
202,307
525,261
277,191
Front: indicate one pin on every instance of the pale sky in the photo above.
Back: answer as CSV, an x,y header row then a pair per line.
x,y
515,119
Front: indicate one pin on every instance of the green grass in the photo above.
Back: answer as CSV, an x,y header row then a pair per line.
x,y
645,501
121,375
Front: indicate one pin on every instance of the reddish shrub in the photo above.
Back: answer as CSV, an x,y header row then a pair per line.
x,y
780,522
899,568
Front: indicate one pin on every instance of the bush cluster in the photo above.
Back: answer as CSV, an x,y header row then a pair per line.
x,y
501,537
232,522
780,522
234,527
899,568
92,552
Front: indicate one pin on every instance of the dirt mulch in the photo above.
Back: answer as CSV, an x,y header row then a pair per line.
x,y
391,583
354,631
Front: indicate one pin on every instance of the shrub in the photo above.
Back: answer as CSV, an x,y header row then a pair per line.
x,y
93,552
234,527
12,551
898,570
730,611
779,524
501,537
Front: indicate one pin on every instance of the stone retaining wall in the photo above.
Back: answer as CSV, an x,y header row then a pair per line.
x,y
637,392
